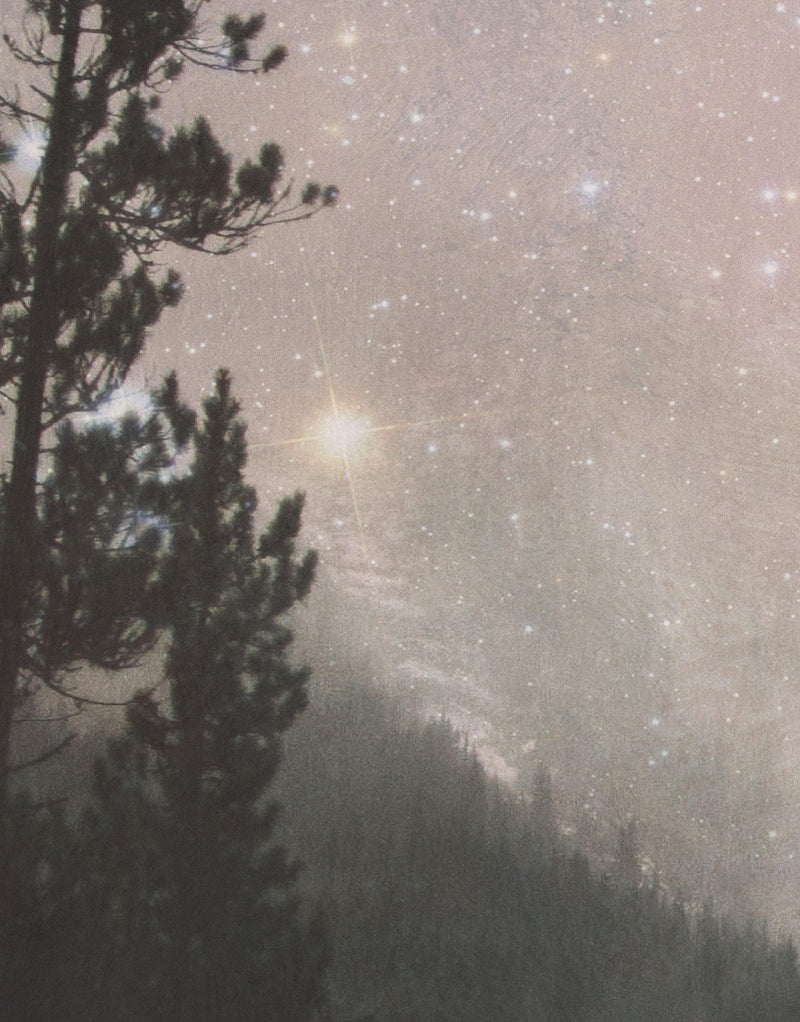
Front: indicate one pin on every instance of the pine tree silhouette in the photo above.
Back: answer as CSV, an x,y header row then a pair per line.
x,y
199,909
79,285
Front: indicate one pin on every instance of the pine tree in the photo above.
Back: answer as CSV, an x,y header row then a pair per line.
x,y
544,824
627,867
79,286
199,919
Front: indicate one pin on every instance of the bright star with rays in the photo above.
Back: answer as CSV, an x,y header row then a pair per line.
x,y
343,435
589,189
30,148
771,268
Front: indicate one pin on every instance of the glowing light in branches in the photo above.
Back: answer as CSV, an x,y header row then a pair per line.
x,y
30,148
118,405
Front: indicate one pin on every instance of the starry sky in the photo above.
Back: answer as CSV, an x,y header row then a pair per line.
x,y
538,373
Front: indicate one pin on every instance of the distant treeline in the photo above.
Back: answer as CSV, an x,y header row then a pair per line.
x,y
429,893
449,898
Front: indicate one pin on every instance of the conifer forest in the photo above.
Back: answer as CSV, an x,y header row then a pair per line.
x,y
398,601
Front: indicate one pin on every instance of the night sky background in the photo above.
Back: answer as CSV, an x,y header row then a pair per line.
x,y
538,373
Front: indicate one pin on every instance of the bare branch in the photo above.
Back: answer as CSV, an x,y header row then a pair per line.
x,y
34,56
20,114
49,719
43,757
81,701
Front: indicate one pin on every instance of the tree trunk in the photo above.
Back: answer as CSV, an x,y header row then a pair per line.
x,y
17,557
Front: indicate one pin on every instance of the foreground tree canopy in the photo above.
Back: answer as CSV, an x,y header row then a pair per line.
x,y
170,898
79,289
